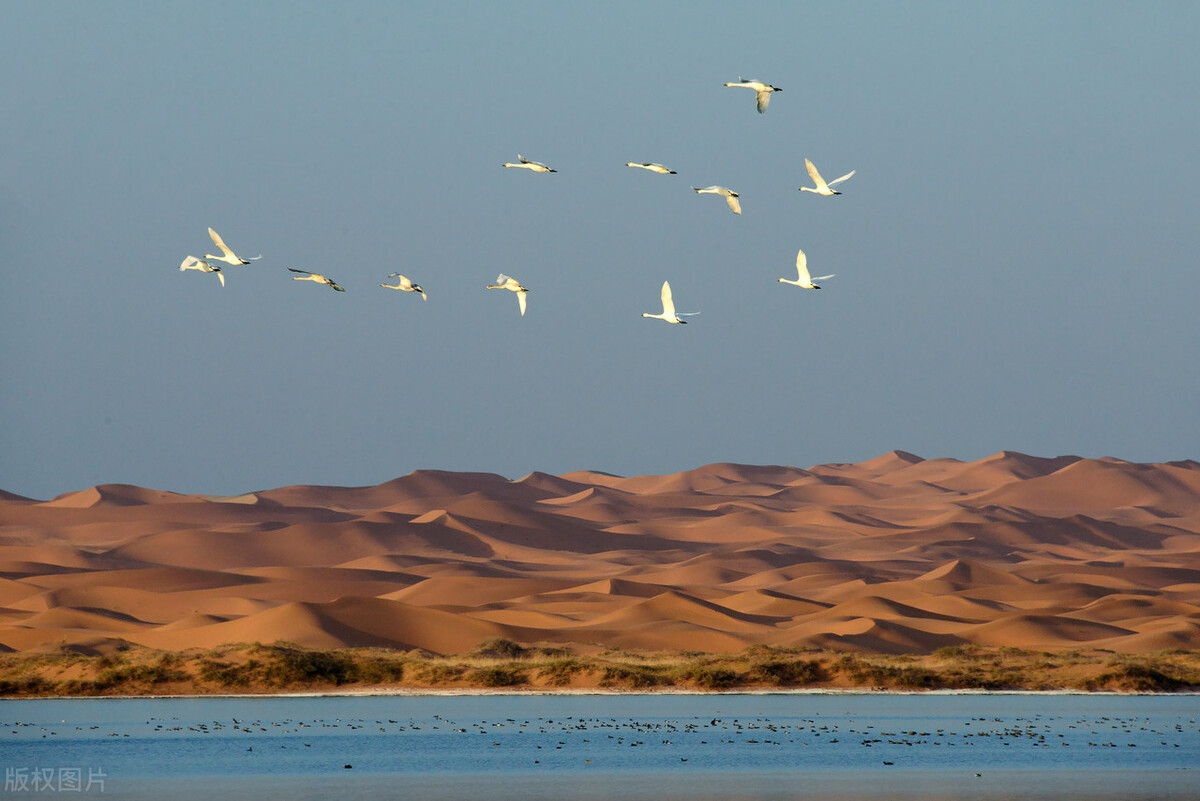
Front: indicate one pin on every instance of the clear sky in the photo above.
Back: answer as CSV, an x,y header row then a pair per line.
x,y
1016,255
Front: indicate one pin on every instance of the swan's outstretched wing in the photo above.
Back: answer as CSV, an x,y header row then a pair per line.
x,y
216,238
823,277
837,181
221,276
802,267
502,279
668,301
306,272
192,263
733,203
521,300
763,98
816,176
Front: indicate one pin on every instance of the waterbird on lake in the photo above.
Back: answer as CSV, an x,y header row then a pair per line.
x,y
823,188
405,285
668,313
526,164
762,91
320,279
728,194
229,257
192,263
805,281
652,167
513,285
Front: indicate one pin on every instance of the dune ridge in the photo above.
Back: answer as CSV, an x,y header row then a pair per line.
x,y
897,554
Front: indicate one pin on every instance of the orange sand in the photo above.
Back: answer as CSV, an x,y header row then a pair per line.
x,y
894,555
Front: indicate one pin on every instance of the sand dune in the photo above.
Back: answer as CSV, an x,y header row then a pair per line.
x,y
896,554
473,592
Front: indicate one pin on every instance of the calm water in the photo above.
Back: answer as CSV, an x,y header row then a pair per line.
x,y
841,747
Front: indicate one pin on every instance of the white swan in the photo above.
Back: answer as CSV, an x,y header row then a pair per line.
x,y
762,91
668,312
652,167
822,187
805,280
405,285
513,285
192,263
320,279
229,256
728,194
525,163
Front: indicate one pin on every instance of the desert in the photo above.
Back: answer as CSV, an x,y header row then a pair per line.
x,y
896,560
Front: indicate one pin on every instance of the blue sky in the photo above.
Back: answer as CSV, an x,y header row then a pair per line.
x,y
1015,256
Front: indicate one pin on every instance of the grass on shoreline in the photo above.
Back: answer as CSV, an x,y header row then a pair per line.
x,y
503,664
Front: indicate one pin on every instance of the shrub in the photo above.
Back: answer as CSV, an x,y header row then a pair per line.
x,y
378,670
958,652
226,674
1139,678
711,677
857,670
500,648
26,685
143,674
632,676
436,672
784,672
916,678
559,672
499,676
293,666
555,652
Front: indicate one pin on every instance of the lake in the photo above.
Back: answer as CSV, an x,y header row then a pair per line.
x,y
835,746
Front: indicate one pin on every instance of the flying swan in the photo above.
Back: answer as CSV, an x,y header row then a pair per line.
x,y
229,256
405,285
805,280
822,187
192,263
652,167
320,279
762,91
728,194
668,312
525,163
513,285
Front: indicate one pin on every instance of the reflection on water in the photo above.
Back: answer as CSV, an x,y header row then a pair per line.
x,y
846,746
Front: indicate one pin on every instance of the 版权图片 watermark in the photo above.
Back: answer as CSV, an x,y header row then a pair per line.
x,y
54,780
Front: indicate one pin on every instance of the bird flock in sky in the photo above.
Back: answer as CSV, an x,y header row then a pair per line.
x,y
762,97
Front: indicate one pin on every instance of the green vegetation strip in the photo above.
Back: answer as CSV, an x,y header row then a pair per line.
x,y
504,664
